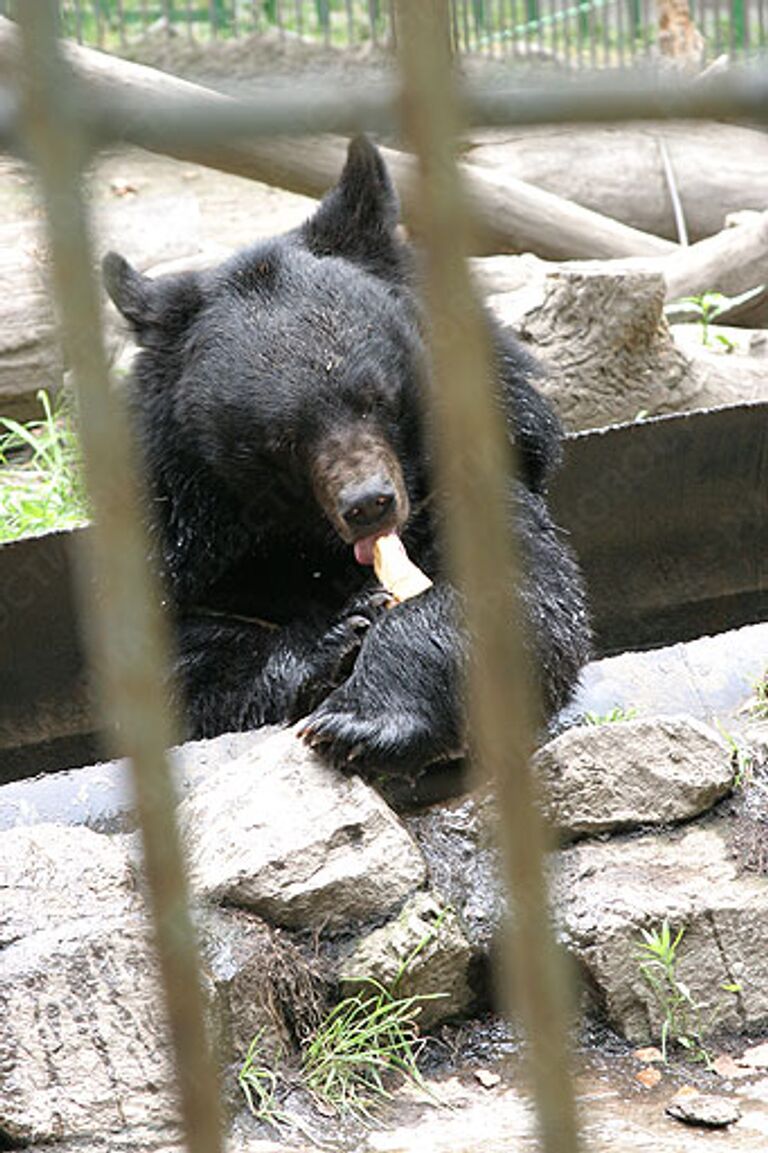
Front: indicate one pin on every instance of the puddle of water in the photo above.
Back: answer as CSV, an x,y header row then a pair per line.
x,y
617,1114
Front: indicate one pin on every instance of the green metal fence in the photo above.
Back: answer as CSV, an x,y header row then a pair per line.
x,y
570,33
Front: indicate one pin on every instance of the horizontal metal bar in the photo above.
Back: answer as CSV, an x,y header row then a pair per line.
x,y
739,94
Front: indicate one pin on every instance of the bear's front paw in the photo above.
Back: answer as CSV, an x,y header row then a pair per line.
x,y
341,644
389,738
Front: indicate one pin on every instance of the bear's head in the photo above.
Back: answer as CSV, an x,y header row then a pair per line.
x,y
292,375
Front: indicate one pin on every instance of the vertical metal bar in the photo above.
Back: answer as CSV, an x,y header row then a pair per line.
x,y
472,457
350,23
606,37
213,19
126,632
465,21
168,15
718,36
553,27
373,20
635,17
592,38
392,24
299,18
121,23
620,32
188,13
99,23
738,27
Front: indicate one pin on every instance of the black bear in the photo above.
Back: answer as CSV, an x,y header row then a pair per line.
x,y
279,405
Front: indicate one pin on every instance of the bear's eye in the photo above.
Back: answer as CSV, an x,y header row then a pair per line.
x,y
378,401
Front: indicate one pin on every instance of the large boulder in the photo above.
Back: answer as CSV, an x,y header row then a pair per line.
x,y
83,1047
605,778
281,834
606,893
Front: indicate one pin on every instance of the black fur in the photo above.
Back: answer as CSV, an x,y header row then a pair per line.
x,y
265,392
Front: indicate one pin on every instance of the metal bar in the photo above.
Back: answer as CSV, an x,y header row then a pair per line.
x,y
738,26
321,108
465,22
124,627
718,36
99,22
121,23
350,23
472,460
191,125
606,37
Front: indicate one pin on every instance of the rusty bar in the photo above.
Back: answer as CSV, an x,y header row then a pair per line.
x,y
473,469
123,624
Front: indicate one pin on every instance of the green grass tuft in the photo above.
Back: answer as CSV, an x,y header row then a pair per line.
x,y
41,486
363,1041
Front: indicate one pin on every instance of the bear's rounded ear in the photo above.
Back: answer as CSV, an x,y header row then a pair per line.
x,y
129,291
358,217
157,309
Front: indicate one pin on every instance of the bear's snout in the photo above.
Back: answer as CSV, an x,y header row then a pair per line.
x,y
369,506
359,484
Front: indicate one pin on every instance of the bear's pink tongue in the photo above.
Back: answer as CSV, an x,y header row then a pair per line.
x,y
364,548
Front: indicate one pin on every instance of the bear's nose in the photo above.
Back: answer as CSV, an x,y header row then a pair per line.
x,y
367,507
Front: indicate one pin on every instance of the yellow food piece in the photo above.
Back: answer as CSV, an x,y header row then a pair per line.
x,y
396,571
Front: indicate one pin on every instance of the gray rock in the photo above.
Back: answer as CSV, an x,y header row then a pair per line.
x,y
263,982
604,778
50,875
705,1111
280,833
82,1040
605,893
463,861
422,952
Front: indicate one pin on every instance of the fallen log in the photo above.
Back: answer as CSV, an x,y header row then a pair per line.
x,y
732,262
618,170
511,216
30,356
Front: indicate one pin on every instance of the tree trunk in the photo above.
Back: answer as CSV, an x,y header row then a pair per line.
x,y
609,354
